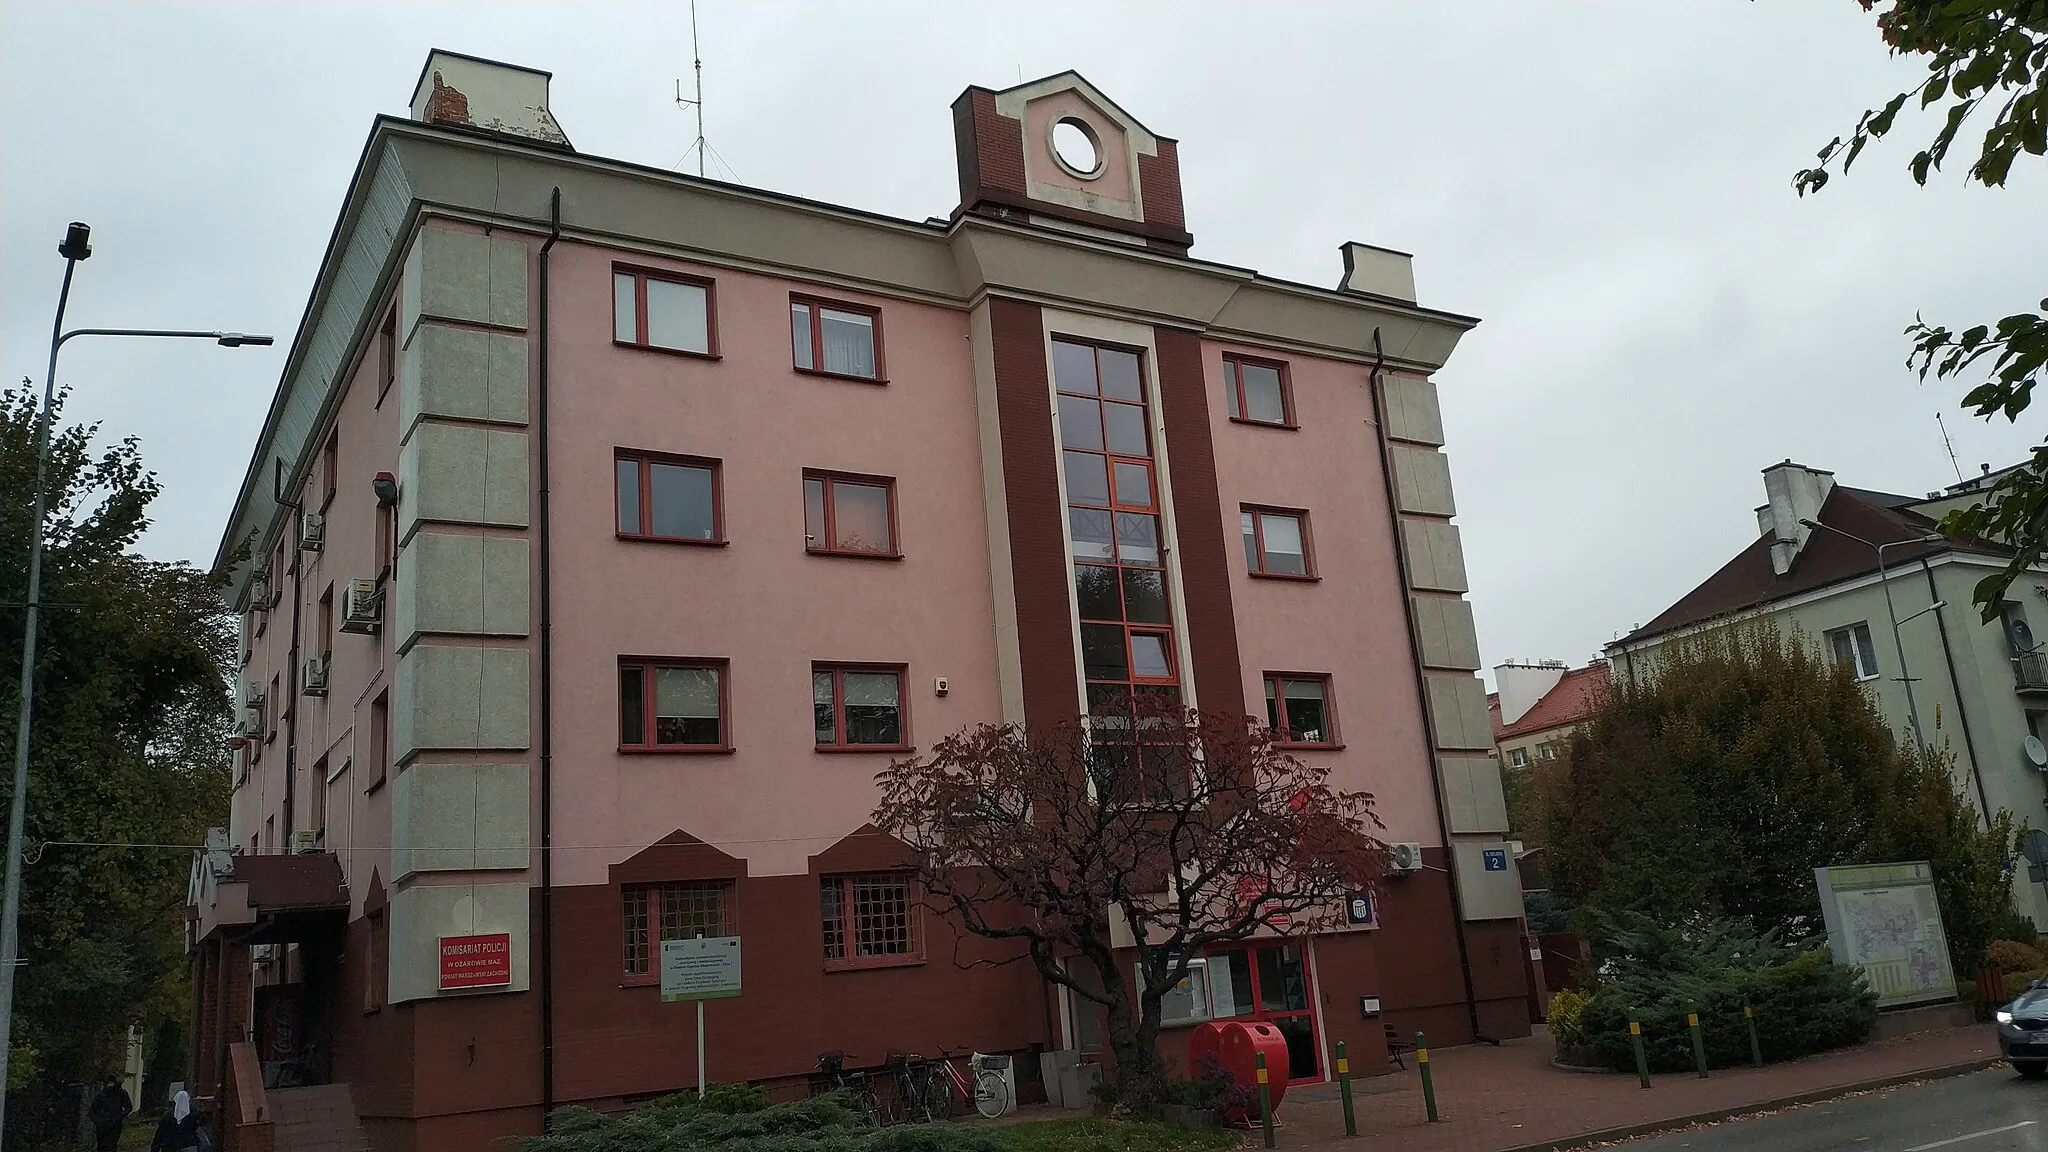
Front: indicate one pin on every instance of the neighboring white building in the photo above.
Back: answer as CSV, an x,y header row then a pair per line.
x,y
1979,689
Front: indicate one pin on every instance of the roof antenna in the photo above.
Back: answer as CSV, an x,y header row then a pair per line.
x,y
1950,445
697,62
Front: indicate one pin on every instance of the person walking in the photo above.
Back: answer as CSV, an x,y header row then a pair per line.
x,y
179,1130
109,1110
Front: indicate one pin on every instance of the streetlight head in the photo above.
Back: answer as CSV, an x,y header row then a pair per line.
x,y
76,245
238,339
385,486
1809,521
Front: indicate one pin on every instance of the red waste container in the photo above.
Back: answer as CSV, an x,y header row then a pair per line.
x,y
1233,1044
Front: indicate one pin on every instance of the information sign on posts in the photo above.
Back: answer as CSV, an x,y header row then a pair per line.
x,y
706,968
1883,919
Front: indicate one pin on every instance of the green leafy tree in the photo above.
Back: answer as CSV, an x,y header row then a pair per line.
x,y
1990,57
127,748
1716,787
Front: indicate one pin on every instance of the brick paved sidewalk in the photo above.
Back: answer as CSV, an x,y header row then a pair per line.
x,y
1511,1097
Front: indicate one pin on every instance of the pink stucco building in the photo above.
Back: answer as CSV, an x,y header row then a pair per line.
x,y
611,528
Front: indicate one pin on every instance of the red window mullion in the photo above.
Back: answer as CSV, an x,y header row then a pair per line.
x,y
1259,537
1236,389
640,310
645,472
831,521
838,707
653,730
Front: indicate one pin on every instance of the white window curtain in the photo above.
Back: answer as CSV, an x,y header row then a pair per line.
x,y
676,316
849,342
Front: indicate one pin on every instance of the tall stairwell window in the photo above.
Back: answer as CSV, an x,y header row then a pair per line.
x,y
1113,516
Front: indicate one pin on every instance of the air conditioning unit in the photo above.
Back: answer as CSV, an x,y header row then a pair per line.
x,y
313,678
362,607
1405,856
252,721
303,841
259,588
312,531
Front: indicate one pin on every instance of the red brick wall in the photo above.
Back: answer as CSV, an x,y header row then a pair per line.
x,y
1198,521
614,1041
1419,962
1038,550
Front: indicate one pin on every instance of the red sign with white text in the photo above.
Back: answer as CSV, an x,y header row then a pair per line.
x,y
476,961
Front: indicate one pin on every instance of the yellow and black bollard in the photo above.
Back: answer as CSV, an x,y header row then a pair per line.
x,y
1265,1097
1428,1085
1699,1043
1635,1037
1344,1089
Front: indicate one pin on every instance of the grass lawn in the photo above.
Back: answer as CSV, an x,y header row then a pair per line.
x,y
1096,1135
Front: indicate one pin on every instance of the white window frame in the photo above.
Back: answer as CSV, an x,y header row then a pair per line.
x,y
1518,757
1200,1009
1862,649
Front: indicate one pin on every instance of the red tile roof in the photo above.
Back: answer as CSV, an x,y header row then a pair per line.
x,y
1573,698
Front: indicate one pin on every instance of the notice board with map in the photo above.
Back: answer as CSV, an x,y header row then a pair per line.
x,y
1883,919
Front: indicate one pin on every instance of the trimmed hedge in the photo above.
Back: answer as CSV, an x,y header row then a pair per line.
x,y
736,1118
1804,1002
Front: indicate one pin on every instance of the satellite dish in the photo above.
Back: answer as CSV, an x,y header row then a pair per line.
x,y
2037,753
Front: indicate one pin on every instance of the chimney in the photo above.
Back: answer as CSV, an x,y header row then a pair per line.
x,y
1378,272
471,92
1795,492
1520,686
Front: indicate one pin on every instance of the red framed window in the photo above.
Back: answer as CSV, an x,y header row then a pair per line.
x,y
387,354
835,339
1276,542
673,498
327,625
651,913
379,758
1300,711
859,707
849,515
378,979
673,705
1127,647
1258,391
870,921
664,310
330,466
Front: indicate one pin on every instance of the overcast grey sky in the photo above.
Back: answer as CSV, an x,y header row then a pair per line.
x,y
1608,186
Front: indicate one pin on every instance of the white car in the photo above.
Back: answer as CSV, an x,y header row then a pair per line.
x,y
2023,1031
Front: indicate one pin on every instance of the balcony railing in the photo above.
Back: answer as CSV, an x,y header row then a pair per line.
x,y
2030,671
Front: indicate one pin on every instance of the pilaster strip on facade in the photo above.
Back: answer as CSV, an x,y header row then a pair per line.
x,y
1204,560
1038,550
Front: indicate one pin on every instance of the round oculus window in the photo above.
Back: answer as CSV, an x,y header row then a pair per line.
x,y
1076,148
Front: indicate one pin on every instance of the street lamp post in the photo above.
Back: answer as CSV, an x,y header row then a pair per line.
x,y
76,247
1884,581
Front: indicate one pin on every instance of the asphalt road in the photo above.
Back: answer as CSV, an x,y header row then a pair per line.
x,y
1991,1111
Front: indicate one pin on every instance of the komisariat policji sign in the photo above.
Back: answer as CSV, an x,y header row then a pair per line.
x,y
483,961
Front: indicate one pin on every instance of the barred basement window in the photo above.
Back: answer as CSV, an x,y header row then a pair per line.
x,y
869,921
651,913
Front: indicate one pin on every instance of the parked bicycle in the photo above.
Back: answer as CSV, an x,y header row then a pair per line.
x,y
906,1102
833,1077
946,1087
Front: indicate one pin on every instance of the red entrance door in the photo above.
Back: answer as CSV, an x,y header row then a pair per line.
x,y
1270,982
